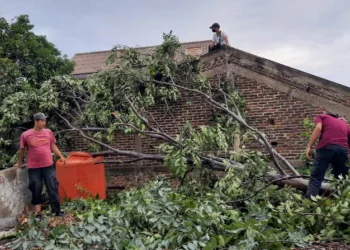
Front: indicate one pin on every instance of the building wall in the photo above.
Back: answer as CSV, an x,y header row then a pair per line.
x,y
278,115
170,118
278,99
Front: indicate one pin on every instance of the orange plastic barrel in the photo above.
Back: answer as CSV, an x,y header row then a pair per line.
x,y
81,177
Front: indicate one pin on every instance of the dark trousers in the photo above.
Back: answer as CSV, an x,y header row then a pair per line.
x,y
36,178
331,154
216,47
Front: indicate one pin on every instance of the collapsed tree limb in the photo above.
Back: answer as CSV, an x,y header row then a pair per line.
x,y
228,96
132,154
119,161
275,181
154,134
154,120
212,163
237,118
280,157
216,165
260,137
147,123
117,151
84,129
298,182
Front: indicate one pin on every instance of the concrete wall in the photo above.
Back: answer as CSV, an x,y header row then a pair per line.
x,y
14,194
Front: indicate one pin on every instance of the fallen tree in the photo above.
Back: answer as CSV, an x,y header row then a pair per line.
x,y
243,210
118,101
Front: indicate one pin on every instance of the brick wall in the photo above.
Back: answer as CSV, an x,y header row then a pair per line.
x,y
278,115
272,104
279,75
315,91
274,113
171,118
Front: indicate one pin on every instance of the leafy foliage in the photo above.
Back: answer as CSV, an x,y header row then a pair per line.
x,y
195,216
240,211
116,100
26,60
34,57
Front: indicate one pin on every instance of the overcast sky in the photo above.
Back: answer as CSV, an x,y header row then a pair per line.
x,y
310,35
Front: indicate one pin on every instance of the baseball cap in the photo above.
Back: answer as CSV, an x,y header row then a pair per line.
x,y
215,25
39,116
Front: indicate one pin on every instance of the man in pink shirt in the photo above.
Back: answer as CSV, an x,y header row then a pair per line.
x,y
39,142
332,148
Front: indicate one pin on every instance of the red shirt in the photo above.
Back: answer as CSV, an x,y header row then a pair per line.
x,y
39,147
334,132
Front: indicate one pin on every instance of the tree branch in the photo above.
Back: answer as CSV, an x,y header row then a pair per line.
x,y
154,120
236,117
268,185
138,114
119,161
170,139
154,134
83,129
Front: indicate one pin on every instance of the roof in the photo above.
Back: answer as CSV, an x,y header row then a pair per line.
x,y
296,83
91,62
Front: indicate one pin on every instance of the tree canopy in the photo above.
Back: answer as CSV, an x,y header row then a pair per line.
x,y
26,61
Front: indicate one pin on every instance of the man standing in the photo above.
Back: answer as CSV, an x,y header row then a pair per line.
x,y
332,148
39,142
220,38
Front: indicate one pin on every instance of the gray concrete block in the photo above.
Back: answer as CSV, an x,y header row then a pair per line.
x,y
14,195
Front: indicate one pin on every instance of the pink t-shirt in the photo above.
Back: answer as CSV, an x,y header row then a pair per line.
x,y
334,131
39,147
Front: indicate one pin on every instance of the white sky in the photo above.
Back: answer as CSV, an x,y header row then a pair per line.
x,y
310,35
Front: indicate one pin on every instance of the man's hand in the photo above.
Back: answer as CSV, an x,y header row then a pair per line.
x,y
58,153
17,165
308,153
63,160
314,136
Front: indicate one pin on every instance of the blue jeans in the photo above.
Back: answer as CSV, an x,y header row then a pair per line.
x,y
36,178
331,154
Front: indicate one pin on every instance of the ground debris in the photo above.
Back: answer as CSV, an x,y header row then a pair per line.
x,y
7,242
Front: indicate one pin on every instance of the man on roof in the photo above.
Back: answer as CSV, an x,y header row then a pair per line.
x,y
220,38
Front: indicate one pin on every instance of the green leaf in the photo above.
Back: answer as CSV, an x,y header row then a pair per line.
x,y
64,241
221,241
318,210
331,233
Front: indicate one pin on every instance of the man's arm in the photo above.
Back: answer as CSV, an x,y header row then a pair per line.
x,y
54,148
22,150
314,136
212,44
57,152
21,154
226,40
